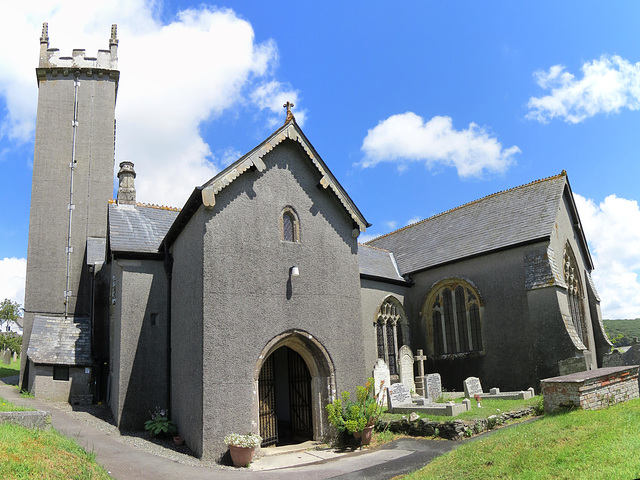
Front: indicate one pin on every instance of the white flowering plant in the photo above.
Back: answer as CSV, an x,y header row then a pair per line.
x,y
248,440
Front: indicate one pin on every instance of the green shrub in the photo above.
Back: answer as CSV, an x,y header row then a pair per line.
x,y
160,425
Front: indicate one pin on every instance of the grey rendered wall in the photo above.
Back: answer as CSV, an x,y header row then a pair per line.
x,y
508,359
249,298
372,294
141,361
187,333
93,184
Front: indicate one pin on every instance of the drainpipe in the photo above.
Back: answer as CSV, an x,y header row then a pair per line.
x,y
168,268
71,206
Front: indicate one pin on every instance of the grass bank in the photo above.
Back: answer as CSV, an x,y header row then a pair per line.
x,y
28,454
581,444
10,370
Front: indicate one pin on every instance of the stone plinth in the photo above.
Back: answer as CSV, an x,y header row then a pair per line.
x,y
590,390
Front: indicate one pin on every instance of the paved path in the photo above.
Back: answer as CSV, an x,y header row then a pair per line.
x,y
125,462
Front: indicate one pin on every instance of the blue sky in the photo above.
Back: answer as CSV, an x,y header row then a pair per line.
x,y
417,107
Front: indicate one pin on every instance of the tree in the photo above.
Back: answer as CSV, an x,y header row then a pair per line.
x,y
9,310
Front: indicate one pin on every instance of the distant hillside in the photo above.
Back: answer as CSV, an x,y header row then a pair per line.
x,y
621,332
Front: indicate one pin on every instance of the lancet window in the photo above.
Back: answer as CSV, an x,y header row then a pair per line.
x,y
574,293
390,325
453,315
289,225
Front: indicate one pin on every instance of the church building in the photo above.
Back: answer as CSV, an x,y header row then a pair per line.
x,y
252,306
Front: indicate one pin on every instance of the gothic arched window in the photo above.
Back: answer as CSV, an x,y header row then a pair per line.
x,y
289,225
452,312
391,332
574,293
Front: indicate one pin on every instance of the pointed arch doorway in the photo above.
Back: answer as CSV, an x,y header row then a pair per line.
x,y
295,380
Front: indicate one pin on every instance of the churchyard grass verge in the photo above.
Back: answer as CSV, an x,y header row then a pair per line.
x,y
585,444
7,406
10,370
27,454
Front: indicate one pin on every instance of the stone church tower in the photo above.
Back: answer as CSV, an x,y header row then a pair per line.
x,y
72,184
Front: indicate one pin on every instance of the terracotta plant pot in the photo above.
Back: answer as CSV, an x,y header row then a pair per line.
x,y
366,435
178,440
241,456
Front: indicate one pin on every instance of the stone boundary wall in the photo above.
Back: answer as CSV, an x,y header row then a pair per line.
x,y
454,430
30,419
590,390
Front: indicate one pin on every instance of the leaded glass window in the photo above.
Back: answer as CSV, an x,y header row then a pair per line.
x,y
390,334
454,313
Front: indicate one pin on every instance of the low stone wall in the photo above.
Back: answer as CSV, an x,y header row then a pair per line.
x,y
31,419
454,430
590,390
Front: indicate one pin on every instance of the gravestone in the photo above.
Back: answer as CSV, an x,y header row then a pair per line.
x,y
472,387
398,396
433,386
380,374
419,380
406,367
6,357
15,356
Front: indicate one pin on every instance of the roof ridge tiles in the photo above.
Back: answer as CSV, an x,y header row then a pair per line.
x,y
374,248
552,177
150,205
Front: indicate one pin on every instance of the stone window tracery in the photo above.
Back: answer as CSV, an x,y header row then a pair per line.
x,y
391,332
574,293
452,312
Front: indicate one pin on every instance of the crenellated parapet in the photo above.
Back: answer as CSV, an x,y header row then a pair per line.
x,y
52,62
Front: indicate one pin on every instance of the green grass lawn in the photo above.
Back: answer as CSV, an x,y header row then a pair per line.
x,y
7,406
10,370
602,444
489,407
29,454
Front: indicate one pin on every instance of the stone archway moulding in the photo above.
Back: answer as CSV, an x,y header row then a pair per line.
x,y
320,365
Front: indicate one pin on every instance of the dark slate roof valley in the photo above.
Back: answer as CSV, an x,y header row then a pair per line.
x,y
516,216
138,228
60,341
378,263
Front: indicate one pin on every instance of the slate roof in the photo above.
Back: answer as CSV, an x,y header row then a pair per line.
x,y
516,216
138,228
60,341
378,263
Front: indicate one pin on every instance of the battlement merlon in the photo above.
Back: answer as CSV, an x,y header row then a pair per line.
x,y
50,57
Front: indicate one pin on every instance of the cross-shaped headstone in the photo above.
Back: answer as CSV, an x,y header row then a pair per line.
x,y
420,358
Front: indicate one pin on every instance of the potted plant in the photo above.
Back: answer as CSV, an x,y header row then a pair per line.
x,y
160,425
357,418
242,447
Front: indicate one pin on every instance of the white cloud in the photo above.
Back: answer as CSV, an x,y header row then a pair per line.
x,y
391,224
607,85
413,220
612,228
13,272
173,77
272,96
407,137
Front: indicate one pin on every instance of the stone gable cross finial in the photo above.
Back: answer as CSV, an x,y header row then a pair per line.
x,y
288,106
